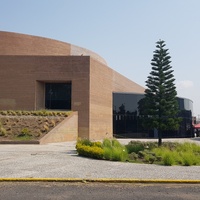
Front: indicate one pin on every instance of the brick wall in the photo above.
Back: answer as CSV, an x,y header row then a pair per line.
x,y
22,81
103,82
21,44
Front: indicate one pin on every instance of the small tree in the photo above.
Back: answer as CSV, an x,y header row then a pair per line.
x,y
159,107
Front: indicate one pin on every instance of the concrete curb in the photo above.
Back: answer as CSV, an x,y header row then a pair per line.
x,y
19,142
100,180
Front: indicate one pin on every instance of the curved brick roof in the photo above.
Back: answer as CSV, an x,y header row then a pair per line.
x,y
22,44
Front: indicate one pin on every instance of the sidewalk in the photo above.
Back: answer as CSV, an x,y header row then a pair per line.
x,y
60,161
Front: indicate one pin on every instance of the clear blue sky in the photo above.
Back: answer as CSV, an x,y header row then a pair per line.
x,y
123,32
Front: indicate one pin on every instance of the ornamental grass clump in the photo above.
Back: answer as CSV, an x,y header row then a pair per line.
x,y
168,159
114,151
189,159
119,154
190,153
185,154
2,130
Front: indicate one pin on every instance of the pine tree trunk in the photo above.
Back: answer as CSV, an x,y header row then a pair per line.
x,y
159,138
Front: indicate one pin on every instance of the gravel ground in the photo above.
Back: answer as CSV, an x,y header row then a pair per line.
x,y
59,160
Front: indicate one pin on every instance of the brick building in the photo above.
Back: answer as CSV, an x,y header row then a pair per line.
x,y
39,73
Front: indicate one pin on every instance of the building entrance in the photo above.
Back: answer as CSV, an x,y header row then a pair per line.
x,y
58,96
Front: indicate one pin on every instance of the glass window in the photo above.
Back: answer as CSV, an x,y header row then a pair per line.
x,y
127,123
58,96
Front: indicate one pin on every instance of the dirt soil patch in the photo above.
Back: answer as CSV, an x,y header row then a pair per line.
x,y
23,128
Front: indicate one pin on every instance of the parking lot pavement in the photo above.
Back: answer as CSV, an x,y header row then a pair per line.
x,y
59,160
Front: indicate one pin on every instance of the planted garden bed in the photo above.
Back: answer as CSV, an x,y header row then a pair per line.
x,y
170,153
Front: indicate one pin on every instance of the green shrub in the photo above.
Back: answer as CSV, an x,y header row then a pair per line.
x,y
167,156
45,128
116,143
149,158
150,145
115,154
141,154
168,159
3,112
2,130
19,112
24,112
65,114
195,148
119,154
189,147
85,142
133,156
177,153
177,157
109,149
170,145
35,113
107,143
190,159
134,146
24,132
90,151
97,144
159,151
159,158
107,153
52,123
113,150
152,159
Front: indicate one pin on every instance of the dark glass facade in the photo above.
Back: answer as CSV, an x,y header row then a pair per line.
x,y
58,96
126,121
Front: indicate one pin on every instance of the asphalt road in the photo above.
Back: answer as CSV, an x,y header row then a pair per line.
x,y
97,191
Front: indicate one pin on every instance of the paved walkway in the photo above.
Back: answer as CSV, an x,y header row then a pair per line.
x,y
59,160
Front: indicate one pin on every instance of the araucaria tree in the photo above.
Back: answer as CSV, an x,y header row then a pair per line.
x,y
159,107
